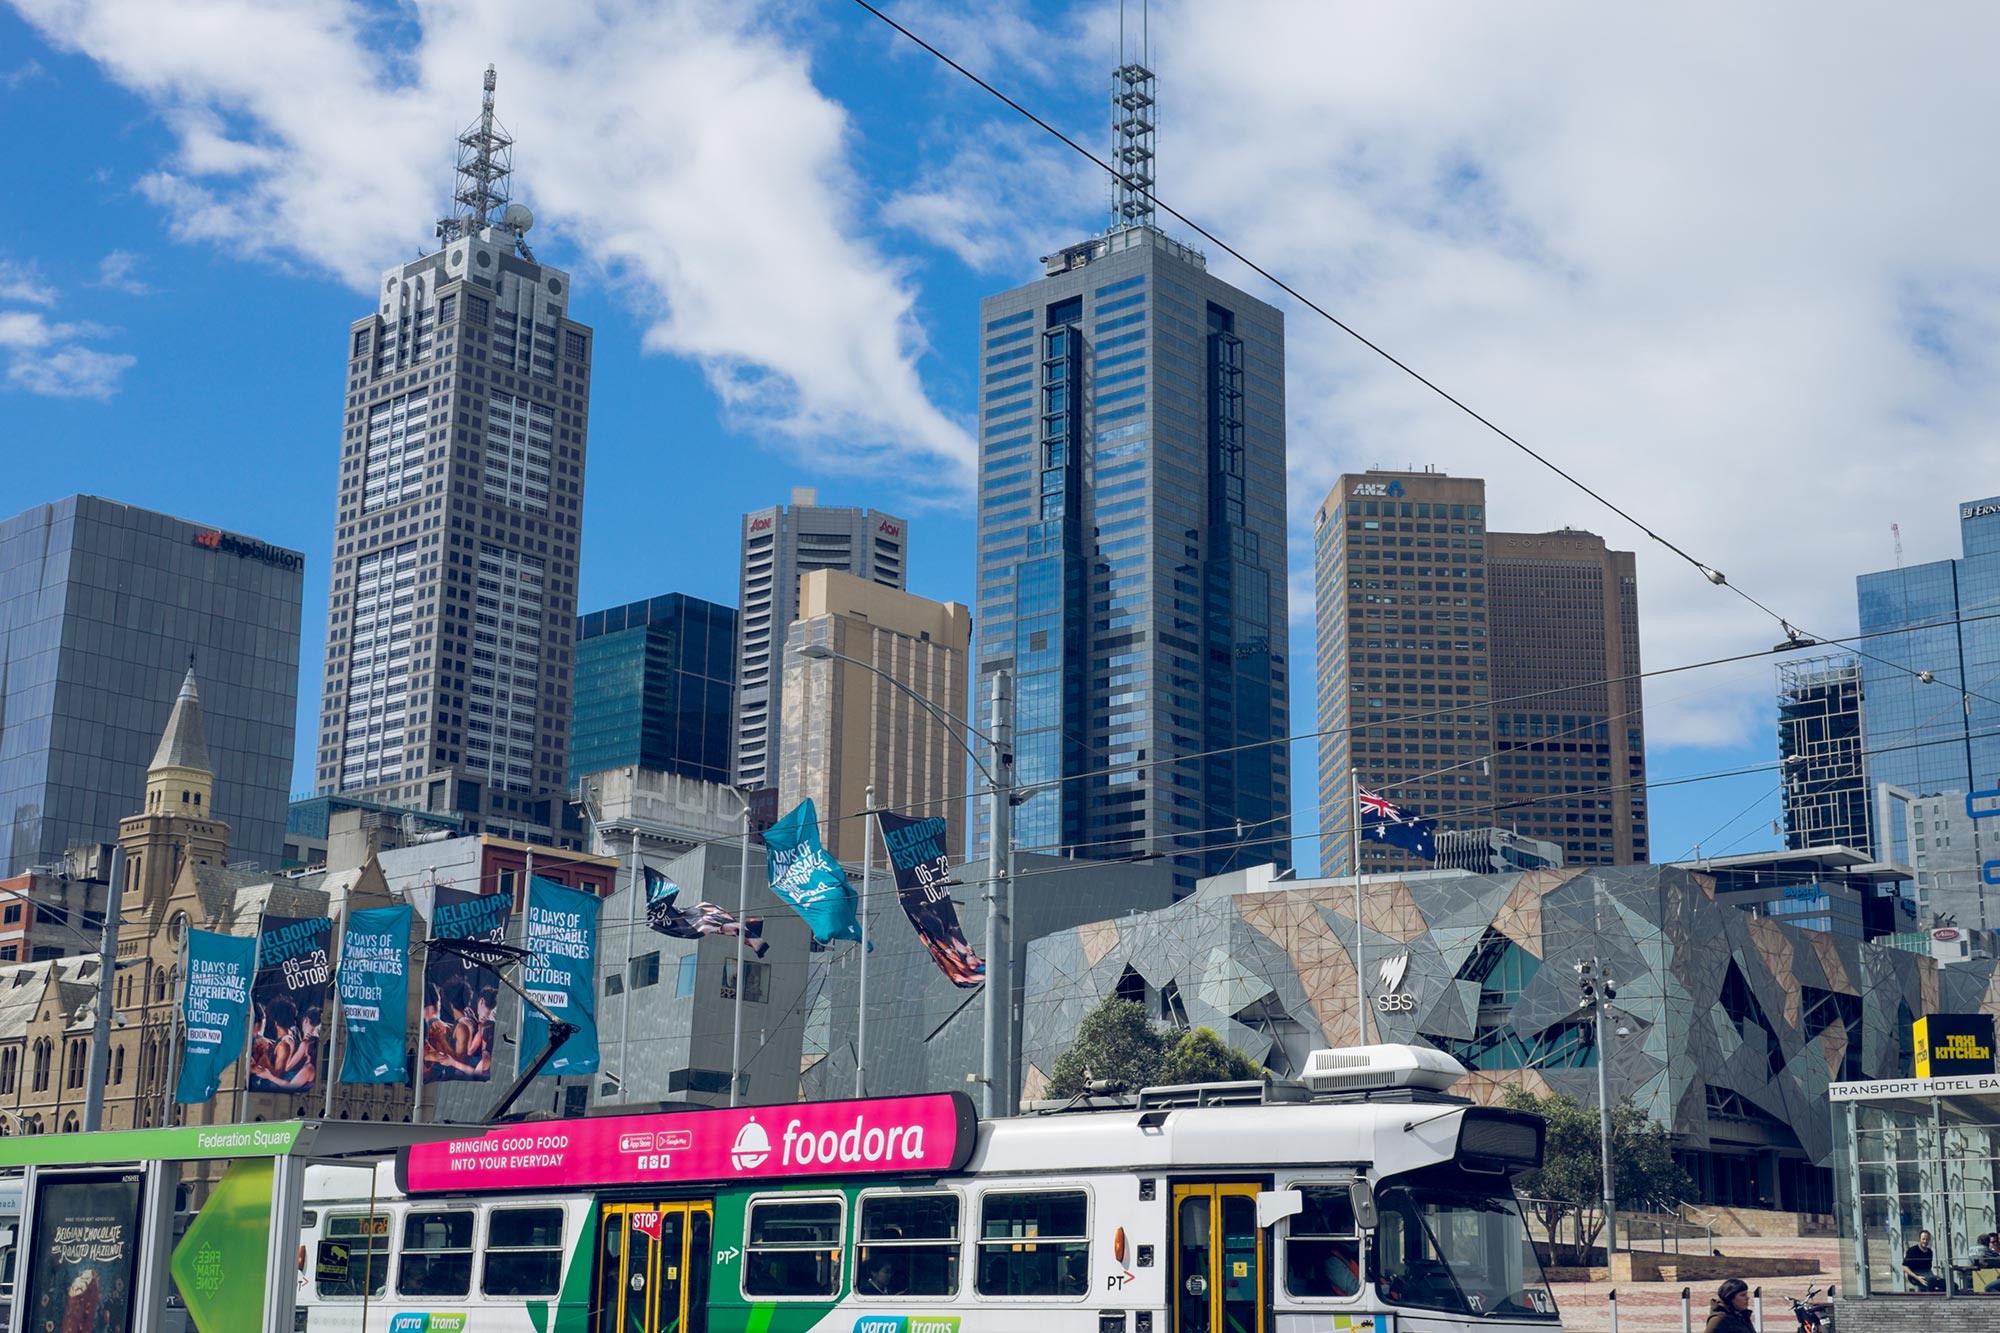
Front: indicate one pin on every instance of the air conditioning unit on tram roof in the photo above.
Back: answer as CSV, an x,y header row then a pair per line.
x,y
1377,1068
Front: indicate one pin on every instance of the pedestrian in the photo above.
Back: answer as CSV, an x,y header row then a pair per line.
x,y
1729,1312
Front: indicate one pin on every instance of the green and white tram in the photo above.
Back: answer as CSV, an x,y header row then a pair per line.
x,y
1364,1198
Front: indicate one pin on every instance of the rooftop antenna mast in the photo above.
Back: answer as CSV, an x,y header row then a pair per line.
x,y
485,168
1132,116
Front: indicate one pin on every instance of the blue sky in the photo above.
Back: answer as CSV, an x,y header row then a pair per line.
x,y
1733,268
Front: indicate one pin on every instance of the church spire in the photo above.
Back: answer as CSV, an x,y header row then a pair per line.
x,y
185,742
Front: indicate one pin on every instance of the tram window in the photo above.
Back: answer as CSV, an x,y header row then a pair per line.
x,y
792,1247
1322,1248
437,1254
908,1245
366,1237
1034,1244
523,1252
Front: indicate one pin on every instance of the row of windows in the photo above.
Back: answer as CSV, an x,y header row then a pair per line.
x,y
1030,1243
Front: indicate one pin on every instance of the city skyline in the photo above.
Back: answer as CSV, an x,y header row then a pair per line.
x,y
223,273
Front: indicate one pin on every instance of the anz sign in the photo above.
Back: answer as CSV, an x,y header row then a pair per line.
x,y
1377,489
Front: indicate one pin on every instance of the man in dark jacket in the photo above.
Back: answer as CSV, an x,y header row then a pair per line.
x,y
1729,1312
1920,1265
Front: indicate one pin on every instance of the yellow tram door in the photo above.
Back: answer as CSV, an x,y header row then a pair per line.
x,y
1218,1252
652,1272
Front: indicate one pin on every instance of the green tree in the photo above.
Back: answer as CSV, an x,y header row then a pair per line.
x,y
1202,1057
1569,1184
1116,1041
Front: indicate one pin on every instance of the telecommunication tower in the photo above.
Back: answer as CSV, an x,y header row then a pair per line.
x,y
485,170
1132,125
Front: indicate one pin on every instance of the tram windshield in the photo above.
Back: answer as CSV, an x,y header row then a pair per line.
x,y
1458,1250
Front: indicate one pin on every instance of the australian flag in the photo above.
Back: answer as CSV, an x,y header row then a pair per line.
x,y
1382,820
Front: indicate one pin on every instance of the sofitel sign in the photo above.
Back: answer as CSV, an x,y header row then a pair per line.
x,y
244,548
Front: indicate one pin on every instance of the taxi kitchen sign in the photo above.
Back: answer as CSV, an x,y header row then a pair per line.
x,y
1952,1044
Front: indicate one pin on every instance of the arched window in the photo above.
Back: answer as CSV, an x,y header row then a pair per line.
x,y
70,1124
118,1064
44,1056
10,1069
160,985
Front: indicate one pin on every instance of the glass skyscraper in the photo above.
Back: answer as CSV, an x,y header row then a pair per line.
x,y
655,688
101,606
1941,735
1132,555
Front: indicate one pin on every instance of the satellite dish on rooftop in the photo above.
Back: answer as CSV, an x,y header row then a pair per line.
x,y
517,218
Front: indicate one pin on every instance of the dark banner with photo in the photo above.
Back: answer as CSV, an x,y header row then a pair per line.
x,y
79,1265
461,998
288,1002
922,868
665,914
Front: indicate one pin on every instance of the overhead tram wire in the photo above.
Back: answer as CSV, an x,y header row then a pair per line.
x,y
1432,714
1709,572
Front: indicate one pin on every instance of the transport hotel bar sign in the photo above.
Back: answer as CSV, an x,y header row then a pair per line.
x,y
869,1136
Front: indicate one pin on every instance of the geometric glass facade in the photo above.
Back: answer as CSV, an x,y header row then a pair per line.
x,y
1944,734
655,688
101,605
1132,555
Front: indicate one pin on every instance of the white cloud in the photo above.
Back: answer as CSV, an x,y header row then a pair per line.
x,y
21,283
69,372
24,73
1725,264
682,148
116,271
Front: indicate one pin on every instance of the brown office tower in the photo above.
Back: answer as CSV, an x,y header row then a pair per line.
x,y
452,613
1569,749
1425,620
1400,596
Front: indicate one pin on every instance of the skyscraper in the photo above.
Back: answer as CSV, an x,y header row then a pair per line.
x,y
656,688
781,545
1132,543
1484,679
1403,655
847,728
101,605
1929,692
1824,774
1569,723
452,607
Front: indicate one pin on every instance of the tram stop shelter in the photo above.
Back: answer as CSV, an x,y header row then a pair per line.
x,y
192,1229
1910,1156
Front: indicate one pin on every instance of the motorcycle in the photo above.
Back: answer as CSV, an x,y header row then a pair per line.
x,y
1813,1316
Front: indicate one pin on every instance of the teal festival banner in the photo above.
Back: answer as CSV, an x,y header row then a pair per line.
x,y
375,994
215,1011
806,877
562,975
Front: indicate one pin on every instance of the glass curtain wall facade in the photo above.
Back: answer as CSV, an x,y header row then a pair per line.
x,y
1943,734
1132,556
656,688
101,605
1820,745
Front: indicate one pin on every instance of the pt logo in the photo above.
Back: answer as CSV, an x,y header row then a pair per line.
x,y
1393,999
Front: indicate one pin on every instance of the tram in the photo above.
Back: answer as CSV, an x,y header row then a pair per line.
x,y
1363,1197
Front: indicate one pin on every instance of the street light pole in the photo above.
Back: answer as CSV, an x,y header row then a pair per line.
x,y
742,917
861,1001
107,968
1598,989
996,1045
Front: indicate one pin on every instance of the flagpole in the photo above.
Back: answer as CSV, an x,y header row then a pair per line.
x,y
1360,979
423,1028
625,1000
330,1071
861,1002
742,915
